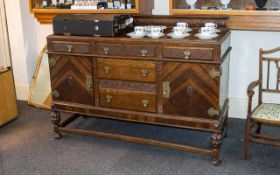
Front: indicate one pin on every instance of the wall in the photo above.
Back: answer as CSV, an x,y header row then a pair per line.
x,y
27,38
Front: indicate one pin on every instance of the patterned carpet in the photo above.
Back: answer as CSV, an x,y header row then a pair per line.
x,y
27,148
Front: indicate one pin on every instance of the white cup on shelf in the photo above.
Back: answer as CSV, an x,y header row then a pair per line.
x,y
211,25
139,30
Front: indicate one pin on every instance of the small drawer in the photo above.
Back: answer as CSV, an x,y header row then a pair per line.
x,y
70,47
141,50
188,53
110,49
129,70
127,99
105,49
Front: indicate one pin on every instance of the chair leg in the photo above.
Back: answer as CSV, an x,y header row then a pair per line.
x,y
247,138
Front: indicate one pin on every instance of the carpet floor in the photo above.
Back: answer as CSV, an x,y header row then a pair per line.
x,y
27,148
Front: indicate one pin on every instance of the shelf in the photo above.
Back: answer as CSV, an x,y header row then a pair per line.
x,y
238,19
45,16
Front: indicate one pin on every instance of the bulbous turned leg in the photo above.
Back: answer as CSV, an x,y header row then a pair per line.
x,y
55,121
216,143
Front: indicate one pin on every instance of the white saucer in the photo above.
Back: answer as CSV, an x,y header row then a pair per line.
x,y
155,36
134,35
182,36
216,31
206,37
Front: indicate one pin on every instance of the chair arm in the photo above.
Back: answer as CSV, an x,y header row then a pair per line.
x,y
251,92
251,87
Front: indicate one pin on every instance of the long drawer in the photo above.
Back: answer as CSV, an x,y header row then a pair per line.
x,y
137,50
129,70
70,47
188,53
127,99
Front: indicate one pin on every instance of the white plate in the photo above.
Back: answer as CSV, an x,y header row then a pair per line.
x,y
155,36
134,35
182,36
206,37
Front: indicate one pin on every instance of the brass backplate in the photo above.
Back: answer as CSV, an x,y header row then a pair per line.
x,y
214,73
52,62
166,89
89,83
213,112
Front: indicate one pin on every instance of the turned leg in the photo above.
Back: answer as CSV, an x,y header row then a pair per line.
x,y
216,143
55,121
247,138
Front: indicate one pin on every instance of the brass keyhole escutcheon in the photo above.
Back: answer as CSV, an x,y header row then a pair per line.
x,y
70,80
145,72
187,55
69,48
107,69
144,53
190,91
106,50
109,98
145,103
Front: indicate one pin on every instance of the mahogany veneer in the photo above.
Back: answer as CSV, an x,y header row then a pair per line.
x,y
167,82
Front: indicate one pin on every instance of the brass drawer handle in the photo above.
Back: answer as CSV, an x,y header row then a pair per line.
x,y
107,69
106,50
55,94
187,55
69,48
145,72
109,98
145,103
144,53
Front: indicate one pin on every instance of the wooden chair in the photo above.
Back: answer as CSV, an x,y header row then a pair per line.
x,y
264,113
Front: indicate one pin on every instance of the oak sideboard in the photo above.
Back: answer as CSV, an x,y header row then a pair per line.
x,y
180,83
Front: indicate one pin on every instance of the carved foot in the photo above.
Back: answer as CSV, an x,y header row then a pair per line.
x,y
55,121
216,143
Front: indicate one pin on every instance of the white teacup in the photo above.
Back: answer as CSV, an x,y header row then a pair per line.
x,y
182,24
139,30
156,31
178,30
207,31
211,25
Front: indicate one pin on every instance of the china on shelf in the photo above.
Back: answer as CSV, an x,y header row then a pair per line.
x,y
225,3
185,26
178,36
139,32
135,35
206,37
156,32
191,3
207,33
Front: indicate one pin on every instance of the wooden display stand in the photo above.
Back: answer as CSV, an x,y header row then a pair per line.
x,y
239,18
8,107
45,15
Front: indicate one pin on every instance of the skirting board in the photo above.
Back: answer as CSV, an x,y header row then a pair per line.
x,y
22,91
238,105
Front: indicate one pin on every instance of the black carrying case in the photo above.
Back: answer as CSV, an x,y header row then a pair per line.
x,y
92,24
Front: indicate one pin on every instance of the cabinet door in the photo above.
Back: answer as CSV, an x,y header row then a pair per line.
x,y
71,79
191,89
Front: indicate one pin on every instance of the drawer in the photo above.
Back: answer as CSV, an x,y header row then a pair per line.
x,y
188,53
70,47
127,99
105,49
129,70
